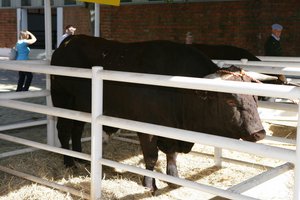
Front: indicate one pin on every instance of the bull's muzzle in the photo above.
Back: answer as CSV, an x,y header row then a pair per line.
x,y
254,137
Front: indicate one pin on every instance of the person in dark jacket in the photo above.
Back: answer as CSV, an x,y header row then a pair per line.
x,y
272,45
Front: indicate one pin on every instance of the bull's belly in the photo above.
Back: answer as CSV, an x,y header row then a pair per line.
x,y
149,104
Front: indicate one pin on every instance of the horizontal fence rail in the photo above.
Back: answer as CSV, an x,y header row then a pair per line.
x,y
259,63
283,91
38,67
24,95
23,124
279,58
265,176
171,179
45,182
201,138
291,69
45,147
47,110
278,106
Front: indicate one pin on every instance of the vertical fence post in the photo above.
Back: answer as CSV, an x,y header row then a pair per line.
x,y
51,130
218,156
48,50
297,161
96,134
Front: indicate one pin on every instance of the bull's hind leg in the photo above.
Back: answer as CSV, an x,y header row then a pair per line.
x,y
150,153
76,135
64,128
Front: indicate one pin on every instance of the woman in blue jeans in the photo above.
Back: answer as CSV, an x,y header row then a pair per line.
x,y
25,78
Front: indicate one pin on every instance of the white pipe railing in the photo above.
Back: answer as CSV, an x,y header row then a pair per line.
x,y
181,82
221,86
23,95
243,62
278,58
202,138
17,152
23,125
45,147
289,92
45,182
263,177
175,180
278,106
36,67
291,69
47,110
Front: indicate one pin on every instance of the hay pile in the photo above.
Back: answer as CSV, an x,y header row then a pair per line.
x,y
118,184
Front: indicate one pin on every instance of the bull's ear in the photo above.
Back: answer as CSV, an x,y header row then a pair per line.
x,y
261,77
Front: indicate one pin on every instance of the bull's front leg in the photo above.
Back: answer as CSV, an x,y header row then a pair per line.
x,y
150,153
171,164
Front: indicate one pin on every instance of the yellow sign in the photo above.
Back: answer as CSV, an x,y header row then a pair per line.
x,y
107,2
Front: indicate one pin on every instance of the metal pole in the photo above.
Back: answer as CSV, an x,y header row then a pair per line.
x,y
96,135
97,20
48,29
59,22
48,50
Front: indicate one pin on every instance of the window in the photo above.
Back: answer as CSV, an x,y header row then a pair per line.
x,y
70,2
5,3
62,3
26,3
38,3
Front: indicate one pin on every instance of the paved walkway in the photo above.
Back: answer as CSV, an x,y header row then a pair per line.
x,y
9,79
8,83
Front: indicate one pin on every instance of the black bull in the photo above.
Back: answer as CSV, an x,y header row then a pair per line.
x,y
224,114
228,52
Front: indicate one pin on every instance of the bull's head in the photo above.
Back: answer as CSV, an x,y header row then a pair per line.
x,y
236,114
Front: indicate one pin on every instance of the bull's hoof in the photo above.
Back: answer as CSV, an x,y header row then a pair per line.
x,y
81,161
69,165
149,183
172,171
69,162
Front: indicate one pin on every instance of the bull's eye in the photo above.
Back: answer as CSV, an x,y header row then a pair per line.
x,y
231,102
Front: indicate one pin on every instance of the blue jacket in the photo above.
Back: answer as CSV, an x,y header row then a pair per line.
x,y
22,50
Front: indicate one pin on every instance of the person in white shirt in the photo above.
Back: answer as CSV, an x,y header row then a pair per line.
x,y
189,38
69,30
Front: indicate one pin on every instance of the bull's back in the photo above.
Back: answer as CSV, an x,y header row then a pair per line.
x,y
226,52
155,57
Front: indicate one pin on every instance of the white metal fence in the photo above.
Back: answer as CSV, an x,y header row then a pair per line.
x,y
97,120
